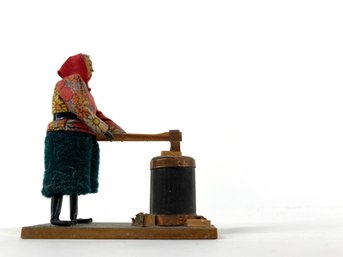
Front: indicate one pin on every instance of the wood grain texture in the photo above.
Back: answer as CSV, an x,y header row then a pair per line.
x,y
116,231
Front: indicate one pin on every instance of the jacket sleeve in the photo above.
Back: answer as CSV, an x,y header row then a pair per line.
x,y
76,96
112,125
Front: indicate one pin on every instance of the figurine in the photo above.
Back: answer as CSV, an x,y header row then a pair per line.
x,y
71,148
72,163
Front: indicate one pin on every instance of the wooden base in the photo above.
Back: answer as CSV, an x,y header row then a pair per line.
x,y
117,231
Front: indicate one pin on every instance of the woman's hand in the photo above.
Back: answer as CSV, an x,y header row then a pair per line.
x,y
118,131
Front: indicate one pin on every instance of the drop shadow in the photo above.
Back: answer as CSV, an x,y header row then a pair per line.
x,y
284,227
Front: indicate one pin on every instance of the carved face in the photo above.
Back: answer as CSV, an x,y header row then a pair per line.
x,y
89,64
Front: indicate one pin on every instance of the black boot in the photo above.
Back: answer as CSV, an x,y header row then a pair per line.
x,y
74,211
56,207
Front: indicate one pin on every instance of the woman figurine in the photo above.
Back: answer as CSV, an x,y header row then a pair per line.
x,y
71,149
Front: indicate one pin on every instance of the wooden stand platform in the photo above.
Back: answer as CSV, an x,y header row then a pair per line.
x,y
117,231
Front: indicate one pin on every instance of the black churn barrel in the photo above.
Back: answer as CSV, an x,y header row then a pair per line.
x,y
172,185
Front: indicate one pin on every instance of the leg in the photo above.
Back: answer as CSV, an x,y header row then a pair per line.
x,y
56,207
74,211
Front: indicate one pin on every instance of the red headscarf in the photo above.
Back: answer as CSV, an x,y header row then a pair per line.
x,y
75,65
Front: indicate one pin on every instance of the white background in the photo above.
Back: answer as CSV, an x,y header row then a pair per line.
x,y
255,87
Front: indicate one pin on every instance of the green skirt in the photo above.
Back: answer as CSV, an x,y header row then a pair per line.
x,y
71,163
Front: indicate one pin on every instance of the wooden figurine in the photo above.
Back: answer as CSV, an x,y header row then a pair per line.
x,y
71,148
72,162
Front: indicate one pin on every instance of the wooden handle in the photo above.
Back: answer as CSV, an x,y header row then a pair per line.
x,y
141,137
173,136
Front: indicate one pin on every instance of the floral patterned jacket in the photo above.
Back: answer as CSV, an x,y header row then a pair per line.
x,y
71,94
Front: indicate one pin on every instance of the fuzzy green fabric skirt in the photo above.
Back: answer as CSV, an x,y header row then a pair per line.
x,y
71,163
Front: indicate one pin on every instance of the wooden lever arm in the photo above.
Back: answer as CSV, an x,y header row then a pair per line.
x,y
173,136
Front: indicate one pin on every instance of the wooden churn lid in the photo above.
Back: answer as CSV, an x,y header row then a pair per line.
x,y
169,161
